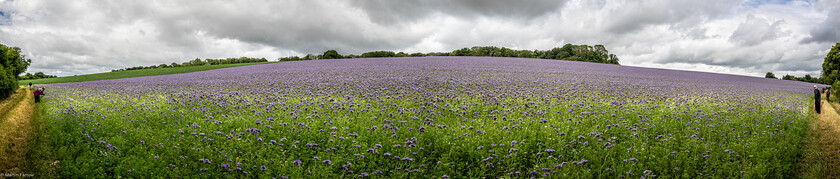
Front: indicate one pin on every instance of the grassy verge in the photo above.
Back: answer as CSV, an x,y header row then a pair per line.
x,y
10,102
133,73
14,127
40,160
813,164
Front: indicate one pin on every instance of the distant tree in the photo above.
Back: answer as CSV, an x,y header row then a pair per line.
x,y
787,77
28,76
197,62
39,74
331,54
831,64
309,57
808,78
438,54
378,54
292,58
462,52
770,75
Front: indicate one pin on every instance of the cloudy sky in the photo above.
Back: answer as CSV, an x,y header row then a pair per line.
x,y
725,36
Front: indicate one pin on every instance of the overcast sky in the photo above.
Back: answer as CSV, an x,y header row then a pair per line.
x,y
725,36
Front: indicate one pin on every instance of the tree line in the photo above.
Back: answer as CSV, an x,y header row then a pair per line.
x,y
37,75
12,64
806,78
597,54
198,62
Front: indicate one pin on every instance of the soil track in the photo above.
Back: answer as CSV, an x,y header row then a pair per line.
x,y
15,118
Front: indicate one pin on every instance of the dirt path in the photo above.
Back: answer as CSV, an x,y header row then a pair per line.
x,y
15,117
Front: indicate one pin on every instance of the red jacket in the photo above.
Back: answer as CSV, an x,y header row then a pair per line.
x,y
37,92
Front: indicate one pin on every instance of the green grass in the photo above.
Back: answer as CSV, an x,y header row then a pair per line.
x,y
133,73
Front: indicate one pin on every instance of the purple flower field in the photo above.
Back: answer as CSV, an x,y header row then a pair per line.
x,y
425,117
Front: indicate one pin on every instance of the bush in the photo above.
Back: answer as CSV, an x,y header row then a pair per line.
x,y
12,64
8,83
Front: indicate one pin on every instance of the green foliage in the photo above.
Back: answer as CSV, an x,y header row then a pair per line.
x,y
835,85
199,62
378,54
831,64
597,54
462,52
331,54
8,83
12,64
807,78
37,75
134,73
770,75
292,58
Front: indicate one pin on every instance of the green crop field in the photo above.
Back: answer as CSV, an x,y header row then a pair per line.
x,y
133,73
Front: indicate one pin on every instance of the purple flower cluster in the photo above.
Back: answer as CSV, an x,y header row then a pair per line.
x,y
435,116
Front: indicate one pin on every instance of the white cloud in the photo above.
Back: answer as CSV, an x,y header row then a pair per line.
x,y
748,38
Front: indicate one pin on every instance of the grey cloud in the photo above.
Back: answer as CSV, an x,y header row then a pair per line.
x,y
390,12
755,31
302,26
77,37
828,30
635,15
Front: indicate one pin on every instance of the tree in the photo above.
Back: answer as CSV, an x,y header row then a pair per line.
x,y
831,65
461,52
12,64
197,62
309,57
770,75
331,54
378,54
787,77
835,85
28,76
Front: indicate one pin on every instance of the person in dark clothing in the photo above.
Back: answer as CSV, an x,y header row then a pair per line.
x,y
30,84
828,94
817,101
